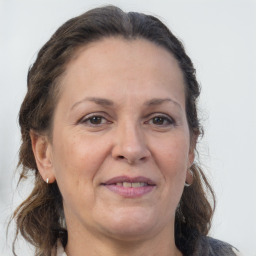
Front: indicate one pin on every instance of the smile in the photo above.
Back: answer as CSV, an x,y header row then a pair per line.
x,y
132,184
130,187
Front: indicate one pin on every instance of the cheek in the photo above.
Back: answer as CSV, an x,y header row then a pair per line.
x,y
76,162
172,162
173,153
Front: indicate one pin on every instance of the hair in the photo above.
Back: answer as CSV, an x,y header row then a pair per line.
x,y
40,219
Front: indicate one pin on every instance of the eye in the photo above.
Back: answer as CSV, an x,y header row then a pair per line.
x,y
94,120
161,121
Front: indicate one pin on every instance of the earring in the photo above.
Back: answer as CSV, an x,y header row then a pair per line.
x,y
47,180
187,185
192,176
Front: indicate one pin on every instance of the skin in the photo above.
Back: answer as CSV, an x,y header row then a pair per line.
x,y
135,135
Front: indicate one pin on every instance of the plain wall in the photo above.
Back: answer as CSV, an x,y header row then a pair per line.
x,y
219,36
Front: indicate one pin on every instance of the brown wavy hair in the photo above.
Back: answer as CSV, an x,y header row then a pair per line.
x,y
40,218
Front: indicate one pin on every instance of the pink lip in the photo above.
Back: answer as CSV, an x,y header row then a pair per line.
x,y
129,192
119,179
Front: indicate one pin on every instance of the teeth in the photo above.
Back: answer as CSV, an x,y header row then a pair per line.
x,y
136,184
127,184
131,185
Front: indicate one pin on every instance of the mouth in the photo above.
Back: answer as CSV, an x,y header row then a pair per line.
x,y
131,184
130,187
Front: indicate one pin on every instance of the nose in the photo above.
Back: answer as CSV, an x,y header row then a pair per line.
x,y
130,145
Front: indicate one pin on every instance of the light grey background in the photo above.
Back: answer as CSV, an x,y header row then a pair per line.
x,y
219,36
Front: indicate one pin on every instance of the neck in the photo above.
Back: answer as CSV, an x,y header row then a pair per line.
x,y
85,243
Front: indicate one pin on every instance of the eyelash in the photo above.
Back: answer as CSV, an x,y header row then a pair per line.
x,y
88,120
166,120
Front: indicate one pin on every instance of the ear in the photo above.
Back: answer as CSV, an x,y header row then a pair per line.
x,y
42,150
191,154
191,158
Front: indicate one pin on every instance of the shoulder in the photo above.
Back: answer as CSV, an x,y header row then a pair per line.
x,y
207,246
220,248
213,247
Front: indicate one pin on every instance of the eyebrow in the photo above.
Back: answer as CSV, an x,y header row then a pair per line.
x,y
107,102
98,101
157,101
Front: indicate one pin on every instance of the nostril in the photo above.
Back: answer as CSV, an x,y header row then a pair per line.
x,y
121,157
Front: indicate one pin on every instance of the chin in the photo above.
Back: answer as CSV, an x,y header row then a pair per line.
x,y
131,224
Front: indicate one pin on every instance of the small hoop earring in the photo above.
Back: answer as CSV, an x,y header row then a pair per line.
x,y
47,180
187,184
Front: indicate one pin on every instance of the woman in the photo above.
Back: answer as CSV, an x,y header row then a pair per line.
x,y
109,128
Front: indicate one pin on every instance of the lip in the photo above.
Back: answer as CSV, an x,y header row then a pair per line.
x,y
130,192
119,179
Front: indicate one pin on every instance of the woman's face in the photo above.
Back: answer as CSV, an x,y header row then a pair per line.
x,y
121,144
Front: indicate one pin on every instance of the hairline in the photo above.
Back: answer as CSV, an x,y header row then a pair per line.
x,y
55,90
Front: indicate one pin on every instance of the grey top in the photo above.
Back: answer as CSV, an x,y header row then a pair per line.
x,y
207,246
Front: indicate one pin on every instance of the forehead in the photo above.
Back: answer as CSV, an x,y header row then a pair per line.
x,y
114,64
127,50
